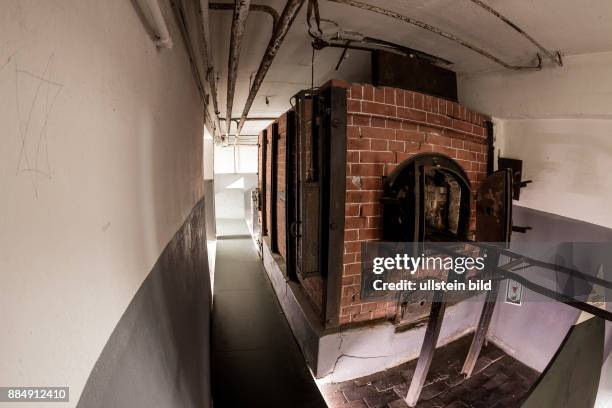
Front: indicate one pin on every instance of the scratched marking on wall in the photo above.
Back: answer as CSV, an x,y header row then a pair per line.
x,y
35,97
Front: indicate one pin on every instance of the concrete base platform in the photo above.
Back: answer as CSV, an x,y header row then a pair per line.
x,y
340,355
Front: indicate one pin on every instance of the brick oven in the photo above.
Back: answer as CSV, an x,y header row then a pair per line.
x,y
332,171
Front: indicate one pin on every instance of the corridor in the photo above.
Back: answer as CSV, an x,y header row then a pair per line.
x,y
255,359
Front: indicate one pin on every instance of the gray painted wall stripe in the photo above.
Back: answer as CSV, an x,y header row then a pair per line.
x,y
158,354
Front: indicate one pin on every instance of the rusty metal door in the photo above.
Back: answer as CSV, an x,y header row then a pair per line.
x,y
306,227
263,179
494,208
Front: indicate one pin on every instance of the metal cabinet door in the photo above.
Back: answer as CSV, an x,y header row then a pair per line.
x,y
308,188
494,208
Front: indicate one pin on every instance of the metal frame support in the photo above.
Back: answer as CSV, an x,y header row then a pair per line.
x,y
436,30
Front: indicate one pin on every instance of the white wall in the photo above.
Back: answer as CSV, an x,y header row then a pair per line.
x,y
235,159
235,175
232,194
582,88
569,161
101,162
559,122
209,154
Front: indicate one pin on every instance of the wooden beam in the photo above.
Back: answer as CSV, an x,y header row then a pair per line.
x,y
481,330
432,333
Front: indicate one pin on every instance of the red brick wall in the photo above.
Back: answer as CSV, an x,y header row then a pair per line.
x,y
386,126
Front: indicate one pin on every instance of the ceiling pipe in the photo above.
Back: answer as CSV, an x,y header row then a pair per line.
x,y
162,35
253,7
284,24
435,30
408,51
241,12
250,119
210,77
206,83
211,81
554,56
184,30
373,44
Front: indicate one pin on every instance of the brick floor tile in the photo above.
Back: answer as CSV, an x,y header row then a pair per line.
x,y
389,382
504,383
381,399
358,393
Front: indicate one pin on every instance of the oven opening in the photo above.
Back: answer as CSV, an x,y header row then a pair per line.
x,y
427,198
442,205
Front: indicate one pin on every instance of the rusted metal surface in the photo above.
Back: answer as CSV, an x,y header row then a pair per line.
x,y
552,55
438,31
213,94
291,192
241,12
274,188
517,174
264,182
494,208
334,174
414,74
308,187
284,24
233,61
253,7
374,45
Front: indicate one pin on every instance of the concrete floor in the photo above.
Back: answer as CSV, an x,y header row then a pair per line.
x,y
255,359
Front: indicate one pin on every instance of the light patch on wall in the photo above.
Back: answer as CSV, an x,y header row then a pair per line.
x,y
569,161
238,184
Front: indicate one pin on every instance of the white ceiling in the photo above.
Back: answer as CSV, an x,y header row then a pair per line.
x,y
571,26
